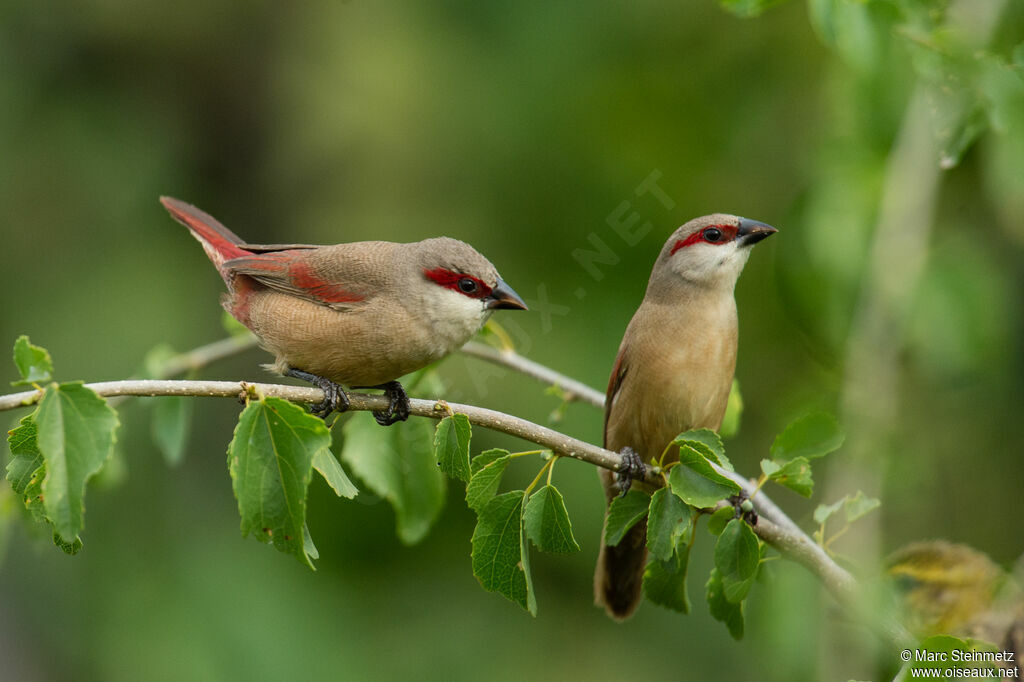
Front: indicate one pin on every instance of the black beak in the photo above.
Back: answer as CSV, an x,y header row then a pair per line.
x,y
751,232
503,296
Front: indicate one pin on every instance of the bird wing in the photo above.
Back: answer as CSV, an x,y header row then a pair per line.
x,y
614,384
297,271
264,248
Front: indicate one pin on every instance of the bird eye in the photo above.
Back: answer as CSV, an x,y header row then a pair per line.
x,y
467,285
712,234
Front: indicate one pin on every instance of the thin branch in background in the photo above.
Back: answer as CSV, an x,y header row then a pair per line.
x,y
572,389
200,357
774,527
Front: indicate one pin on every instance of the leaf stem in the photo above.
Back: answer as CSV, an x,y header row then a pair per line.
x,y
540,474
524,453
761,480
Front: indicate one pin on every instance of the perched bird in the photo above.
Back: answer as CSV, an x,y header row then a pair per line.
x,y
360,314
673,371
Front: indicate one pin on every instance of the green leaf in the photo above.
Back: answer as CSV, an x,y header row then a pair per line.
x,y
307,544
746,9
76,436
398,464
524,553
668,525
721,608
327,466
270,460
172,419
25,456
737,555
547,522
824,511
484,484
696,482
68,547
720,519
33,496
33,362
623,514
451,446
707,443
26,469
733,412
22,438
812,436
859,506
664,582
20,471
500,559
794,474
485,458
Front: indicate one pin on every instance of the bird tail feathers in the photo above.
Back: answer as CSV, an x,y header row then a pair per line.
x,y
620,571
220,243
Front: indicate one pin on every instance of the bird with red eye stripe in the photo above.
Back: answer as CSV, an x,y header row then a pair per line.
x,y
673,373
360,314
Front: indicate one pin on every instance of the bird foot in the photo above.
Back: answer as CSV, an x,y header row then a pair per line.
x,y
398,407
632,467
335,398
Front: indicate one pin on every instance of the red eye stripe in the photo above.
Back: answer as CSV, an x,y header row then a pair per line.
x,y
728,234
449,279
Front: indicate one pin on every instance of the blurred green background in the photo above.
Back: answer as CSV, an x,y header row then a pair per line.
x,y
524,129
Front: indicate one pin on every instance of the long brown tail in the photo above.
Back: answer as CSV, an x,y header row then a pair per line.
x,y
620,572
619,576
220,243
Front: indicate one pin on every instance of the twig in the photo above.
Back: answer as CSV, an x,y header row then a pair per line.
x,y
775,528
497,421
197,358
572,389
205,355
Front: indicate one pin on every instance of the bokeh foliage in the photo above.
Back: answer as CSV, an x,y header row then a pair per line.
x,y
525,129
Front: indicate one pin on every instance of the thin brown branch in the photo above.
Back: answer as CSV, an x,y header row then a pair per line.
x,y
197,358
571,388
202,356
775,528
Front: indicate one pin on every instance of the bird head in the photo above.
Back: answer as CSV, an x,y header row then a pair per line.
x,y
710,251
458,288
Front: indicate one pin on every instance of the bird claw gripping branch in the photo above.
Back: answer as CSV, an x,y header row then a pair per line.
x,y
335,398
398,407
632,467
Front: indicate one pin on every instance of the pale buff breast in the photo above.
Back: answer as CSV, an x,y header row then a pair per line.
x,y
678,377
371,344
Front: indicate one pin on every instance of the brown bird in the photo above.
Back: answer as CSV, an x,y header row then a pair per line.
x,y
673,372
360,314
